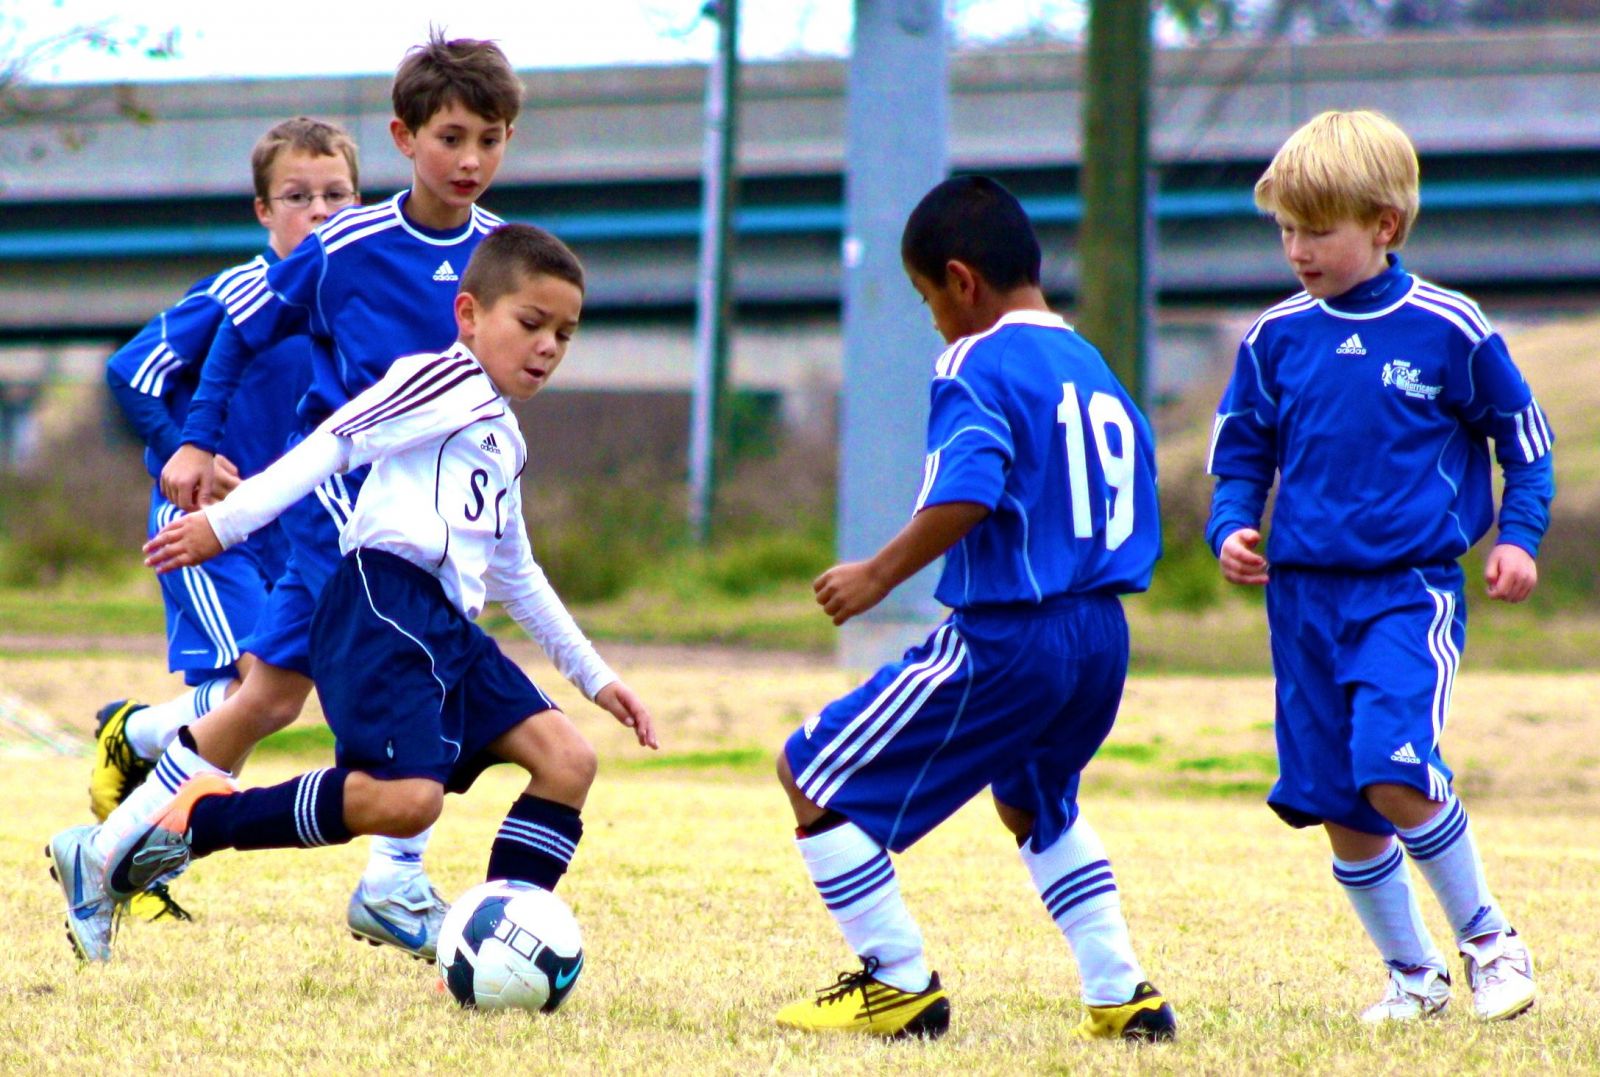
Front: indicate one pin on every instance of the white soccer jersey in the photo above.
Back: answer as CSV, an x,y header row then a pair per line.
x,y
444,494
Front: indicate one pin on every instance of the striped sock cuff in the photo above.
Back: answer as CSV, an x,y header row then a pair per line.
x,y
1074,895
1366,874
536,842
858,888
1073,877
209,696
319,808
1437,835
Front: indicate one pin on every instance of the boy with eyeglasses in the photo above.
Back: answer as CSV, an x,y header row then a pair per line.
x,y
377,283
304,171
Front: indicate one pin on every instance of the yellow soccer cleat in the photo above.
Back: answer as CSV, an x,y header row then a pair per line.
x,y
860,1002
1146,1016
156,903
118,770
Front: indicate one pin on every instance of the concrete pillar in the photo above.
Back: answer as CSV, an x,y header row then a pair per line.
x,y
895,149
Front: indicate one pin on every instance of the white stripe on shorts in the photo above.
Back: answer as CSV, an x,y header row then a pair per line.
x,y
868,732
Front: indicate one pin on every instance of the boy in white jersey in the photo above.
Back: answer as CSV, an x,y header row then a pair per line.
x,y
303,171
419,698
376,283
1372,397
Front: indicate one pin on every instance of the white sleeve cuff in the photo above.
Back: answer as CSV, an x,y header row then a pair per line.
x,y
263,497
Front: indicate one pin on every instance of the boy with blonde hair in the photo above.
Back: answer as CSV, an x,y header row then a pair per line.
x,y
377,283
419,698
303,171
1373,396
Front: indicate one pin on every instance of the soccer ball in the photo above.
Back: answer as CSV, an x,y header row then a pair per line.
x,y
510,945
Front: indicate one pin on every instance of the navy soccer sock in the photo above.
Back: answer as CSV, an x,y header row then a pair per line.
x,y
536,842
301,813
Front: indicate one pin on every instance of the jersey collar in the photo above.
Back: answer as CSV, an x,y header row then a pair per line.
x,y
1044,319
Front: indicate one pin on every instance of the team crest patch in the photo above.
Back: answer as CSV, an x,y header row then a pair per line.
x,y
1401,375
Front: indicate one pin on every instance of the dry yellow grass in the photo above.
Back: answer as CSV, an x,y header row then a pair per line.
x,y
700,922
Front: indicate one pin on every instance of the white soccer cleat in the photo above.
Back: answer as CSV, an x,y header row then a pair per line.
x,y
91,913
407,918
1500,971
1412,995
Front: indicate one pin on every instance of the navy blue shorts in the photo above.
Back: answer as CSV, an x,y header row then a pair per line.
x,y
282,633
1365,666
410,687
212,607
1019,698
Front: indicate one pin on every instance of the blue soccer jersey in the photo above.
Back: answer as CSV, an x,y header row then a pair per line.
x,y
1375,410
372,285
154,375
1029,421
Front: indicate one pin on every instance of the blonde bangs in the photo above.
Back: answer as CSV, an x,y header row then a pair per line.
x,y
1343,166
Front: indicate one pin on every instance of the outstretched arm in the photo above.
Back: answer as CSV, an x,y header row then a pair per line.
x,y
854,587
256,502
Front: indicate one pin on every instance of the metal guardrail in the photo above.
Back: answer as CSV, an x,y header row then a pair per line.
x,y
676,224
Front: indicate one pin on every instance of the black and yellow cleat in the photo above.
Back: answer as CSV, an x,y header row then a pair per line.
x,y
118,769
860,1002
1146,1016
156,903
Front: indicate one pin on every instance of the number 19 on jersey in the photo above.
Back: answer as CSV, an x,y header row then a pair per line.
x,y
1117,463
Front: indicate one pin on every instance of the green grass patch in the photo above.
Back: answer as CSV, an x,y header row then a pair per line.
x,y
1250,762
722,759
1131,753
298,740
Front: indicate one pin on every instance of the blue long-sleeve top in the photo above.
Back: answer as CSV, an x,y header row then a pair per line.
x,y
1374,411
153,377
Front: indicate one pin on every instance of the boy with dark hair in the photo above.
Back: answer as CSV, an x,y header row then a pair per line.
x,y
1372,396
1039,489
419,698
303,171
377,283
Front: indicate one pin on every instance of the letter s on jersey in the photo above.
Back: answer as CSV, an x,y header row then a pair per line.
x,y
480,479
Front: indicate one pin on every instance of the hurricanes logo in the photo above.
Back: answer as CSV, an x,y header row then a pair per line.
x,y
1402,376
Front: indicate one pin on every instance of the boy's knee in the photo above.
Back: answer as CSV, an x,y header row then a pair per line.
x,y
1402,805
581,762
400,809
416,809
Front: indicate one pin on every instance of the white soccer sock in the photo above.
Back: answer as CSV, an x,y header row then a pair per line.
x,y
856,879
1448,858
393,862
150,729
1074,880
1380,891
176,766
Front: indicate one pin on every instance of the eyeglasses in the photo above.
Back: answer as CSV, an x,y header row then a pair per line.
x,y
333,198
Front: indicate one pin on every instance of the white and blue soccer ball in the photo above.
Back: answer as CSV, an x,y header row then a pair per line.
x,y
508,945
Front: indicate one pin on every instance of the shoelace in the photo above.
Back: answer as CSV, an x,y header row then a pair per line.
x,y
849,982
170,906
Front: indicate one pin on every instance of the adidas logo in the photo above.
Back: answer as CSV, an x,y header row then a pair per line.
x,y
1352,346
444,272
1405,754
490,445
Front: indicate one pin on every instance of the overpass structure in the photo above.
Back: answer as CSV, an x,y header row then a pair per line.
x,y
104,220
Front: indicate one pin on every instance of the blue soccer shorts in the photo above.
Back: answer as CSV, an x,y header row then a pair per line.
x,y
1017,697
409,686
212,607
1365,665
282,634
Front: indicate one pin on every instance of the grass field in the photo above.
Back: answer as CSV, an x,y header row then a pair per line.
x,y
699,921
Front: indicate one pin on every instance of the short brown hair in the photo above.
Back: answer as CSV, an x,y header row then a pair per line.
x,y
1344,166
513,253
319,138
475,74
